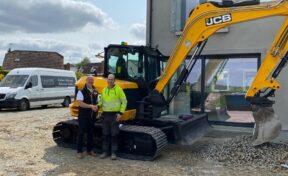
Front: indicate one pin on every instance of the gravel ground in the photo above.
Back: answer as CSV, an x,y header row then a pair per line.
x,y
27,148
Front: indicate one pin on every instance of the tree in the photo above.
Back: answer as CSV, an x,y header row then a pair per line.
x,y
79,75
84,61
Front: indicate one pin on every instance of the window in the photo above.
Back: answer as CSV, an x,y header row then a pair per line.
x,y
231,74
125,63
65,81
48,81
14,81
132,62
34,80
57,81
227,79
153,72
189,96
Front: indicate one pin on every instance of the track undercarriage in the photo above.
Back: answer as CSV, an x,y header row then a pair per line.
x,y
138,139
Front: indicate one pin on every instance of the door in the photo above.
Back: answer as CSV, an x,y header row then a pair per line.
x,y
33,93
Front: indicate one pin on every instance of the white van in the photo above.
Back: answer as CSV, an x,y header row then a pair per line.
x,y
24,88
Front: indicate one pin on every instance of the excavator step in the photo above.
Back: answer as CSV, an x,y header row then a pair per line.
x,y
135,142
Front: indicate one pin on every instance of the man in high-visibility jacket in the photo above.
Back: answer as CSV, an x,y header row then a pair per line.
x,y
113,103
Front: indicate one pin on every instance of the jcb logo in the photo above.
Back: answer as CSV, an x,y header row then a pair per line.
x,y
218,19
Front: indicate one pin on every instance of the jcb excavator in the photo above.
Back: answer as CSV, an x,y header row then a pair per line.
x,y
146,126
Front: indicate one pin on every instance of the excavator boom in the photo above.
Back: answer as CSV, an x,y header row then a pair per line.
x,y
206,20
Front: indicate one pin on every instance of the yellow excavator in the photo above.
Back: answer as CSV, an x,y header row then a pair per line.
x,y
145,72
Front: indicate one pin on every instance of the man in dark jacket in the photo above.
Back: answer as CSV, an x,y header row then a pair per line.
x,y
87,99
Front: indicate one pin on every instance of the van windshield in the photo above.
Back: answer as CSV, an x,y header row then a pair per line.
x,y
14,81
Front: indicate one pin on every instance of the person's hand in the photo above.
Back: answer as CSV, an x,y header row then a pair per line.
x,y
118,117
94,108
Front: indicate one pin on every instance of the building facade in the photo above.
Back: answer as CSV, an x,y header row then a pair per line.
x,y
23,58
226,67
93,68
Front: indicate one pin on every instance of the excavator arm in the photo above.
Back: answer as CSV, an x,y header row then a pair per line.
x,y
204,21
271,66
207,19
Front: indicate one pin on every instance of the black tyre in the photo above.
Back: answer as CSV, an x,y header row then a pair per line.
x,y
66,102
23,105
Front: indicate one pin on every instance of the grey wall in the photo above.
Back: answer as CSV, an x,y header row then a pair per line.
x,y
251,37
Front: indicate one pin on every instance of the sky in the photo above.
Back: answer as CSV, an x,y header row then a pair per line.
x,y
73,28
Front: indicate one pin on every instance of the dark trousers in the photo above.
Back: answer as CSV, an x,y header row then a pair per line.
x,y
110,130
85,125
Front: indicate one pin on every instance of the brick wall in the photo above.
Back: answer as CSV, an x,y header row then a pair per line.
x,y
42,59
98,66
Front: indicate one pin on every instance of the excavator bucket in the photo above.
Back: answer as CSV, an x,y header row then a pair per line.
x,y
267,125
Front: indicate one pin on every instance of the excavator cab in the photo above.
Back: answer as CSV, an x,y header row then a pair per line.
x,y
139,64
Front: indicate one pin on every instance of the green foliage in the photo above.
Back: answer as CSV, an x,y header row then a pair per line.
x,y
78,75
3,72
84,61
1,77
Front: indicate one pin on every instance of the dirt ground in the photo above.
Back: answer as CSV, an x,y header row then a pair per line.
x,y
27,148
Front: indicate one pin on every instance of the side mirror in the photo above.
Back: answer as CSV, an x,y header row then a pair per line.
x,y
28,85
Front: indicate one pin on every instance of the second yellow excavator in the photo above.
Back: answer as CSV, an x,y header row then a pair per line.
x,y
143,73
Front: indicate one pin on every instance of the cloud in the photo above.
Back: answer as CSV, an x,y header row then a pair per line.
x,y
139,42
51,16
72,53
138,30
94,46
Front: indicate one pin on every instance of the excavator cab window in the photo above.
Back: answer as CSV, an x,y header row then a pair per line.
x,y
126,62
133,63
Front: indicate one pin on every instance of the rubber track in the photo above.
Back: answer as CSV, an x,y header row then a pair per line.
x,y
158,136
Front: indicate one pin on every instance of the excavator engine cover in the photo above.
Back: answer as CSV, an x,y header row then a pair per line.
x,y
267,125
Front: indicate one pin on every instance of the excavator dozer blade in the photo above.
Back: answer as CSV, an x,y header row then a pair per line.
x,y
267,125
185,129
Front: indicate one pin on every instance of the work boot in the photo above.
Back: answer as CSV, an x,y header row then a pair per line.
x,y
103,155
80,155
113,156
91,153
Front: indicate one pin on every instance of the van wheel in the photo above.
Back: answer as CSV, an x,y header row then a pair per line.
x,y
66,102
23,105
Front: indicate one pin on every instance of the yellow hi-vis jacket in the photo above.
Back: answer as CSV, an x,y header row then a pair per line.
x,y
113,100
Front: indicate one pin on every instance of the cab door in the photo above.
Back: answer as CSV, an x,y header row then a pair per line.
x,y
33,93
